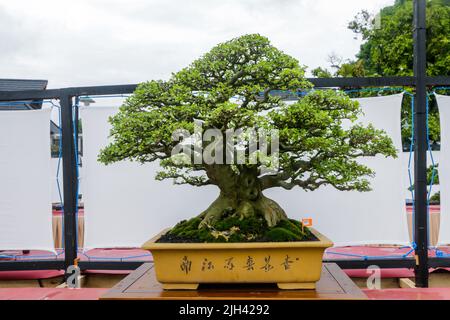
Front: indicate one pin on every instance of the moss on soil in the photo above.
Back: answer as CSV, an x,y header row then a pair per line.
x,y
233,229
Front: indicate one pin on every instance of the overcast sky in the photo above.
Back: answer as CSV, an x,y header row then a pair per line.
x,y
98,42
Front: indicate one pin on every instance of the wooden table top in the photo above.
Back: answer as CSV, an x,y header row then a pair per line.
x,y
141,284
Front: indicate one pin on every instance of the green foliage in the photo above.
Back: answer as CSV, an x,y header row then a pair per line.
x,y
436,198
351,69
230,88
232,229
430,174
321,73
281,235
313,126
288,230
387,50
430,178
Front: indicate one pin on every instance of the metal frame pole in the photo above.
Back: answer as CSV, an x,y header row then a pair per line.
x,y
420,152
70,180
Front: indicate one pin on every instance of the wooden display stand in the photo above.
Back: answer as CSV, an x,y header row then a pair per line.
x,y
142,285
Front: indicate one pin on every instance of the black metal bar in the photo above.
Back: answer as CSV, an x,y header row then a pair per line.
x,y
76,129
439,262
438,81
129,88
400,263
110,265
69,180
29,94
75,91
362,82
378,82
32,265
102,90
420,152
131,265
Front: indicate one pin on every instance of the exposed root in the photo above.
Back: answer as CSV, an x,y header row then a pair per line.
x,y
224,206
271,210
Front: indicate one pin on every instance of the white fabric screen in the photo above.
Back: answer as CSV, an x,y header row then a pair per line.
x,y
25,180
124,204
444,168
357,218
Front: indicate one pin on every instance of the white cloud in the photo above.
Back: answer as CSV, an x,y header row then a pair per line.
x,y
111,41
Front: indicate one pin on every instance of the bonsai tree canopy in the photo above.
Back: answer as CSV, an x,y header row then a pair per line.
x,y
230,88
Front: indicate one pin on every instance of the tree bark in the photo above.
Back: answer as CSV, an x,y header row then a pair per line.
x,y
240,195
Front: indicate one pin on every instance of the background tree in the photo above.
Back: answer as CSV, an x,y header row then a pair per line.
x,y
230,88
387,50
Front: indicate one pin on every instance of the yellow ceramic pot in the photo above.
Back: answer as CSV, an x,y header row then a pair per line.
x,y
291,265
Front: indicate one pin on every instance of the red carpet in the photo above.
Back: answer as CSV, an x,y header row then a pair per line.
x,y
50,294
94,294
409,294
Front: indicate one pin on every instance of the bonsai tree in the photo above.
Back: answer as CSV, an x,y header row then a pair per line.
x,y
235,86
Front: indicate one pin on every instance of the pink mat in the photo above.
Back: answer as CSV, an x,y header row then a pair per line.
x,y
384,273
51,294
131,254
95,293
127,254
365,251
358,252
59,212
409,294
433,208
30,274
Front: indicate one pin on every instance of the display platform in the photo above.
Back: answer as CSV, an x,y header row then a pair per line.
x,y
142,285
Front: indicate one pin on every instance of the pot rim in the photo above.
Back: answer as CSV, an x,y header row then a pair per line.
x,y
322,242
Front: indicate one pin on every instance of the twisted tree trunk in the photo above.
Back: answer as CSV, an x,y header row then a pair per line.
x,y
240,195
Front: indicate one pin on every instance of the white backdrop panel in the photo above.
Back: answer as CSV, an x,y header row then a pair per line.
x,y
142,206
356,218
124,204
25,180
444,168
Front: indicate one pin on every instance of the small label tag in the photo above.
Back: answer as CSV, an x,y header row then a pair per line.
x,y
307,222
